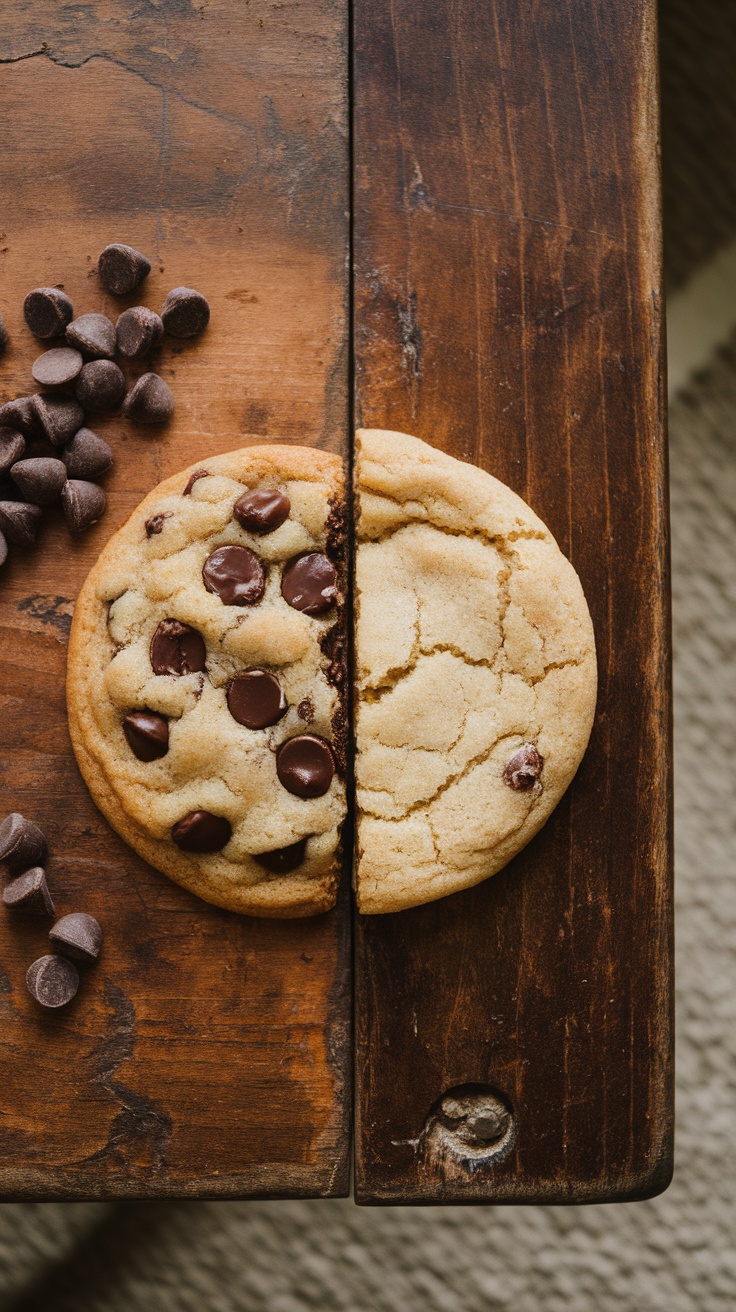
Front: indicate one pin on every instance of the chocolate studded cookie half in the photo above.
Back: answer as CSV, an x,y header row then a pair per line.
x,y
207,679
475,673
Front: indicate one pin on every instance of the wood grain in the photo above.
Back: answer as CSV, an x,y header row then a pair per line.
x,y
508,309
207,1054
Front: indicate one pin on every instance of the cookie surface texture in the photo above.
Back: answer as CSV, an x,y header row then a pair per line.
x,y
182,603
475,673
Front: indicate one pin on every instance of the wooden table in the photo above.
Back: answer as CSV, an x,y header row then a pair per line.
x,y
506,306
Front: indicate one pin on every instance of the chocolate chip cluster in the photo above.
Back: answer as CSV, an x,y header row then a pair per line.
x,y
305,763
53,979
47,452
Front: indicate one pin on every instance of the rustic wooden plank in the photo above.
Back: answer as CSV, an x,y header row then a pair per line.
x,y
207,1054
508,309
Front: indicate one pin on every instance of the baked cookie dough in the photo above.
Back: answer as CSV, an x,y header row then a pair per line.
x,y
475,673
207,677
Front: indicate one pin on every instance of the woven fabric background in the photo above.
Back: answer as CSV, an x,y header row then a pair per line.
x,y
674,1253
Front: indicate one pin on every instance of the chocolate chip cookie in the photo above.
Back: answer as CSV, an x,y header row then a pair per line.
x,y
207,679
475,673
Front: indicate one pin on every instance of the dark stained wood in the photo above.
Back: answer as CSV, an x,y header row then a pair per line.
x,y
207,1053
508,309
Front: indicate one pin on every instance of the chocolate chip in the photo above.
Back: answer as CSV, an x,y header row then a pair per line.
x,y
194,478
40,481
4,336
201,831
235,575
19,522
185,313
87,455
55,368
101,386
3,549
22,843
139,332
82,503
94,334
523,769
309,583
262,511
305,765
255,698
12,447
280,860
52,981
77,935
149,401
147,734
177,648
56,417
29,893
19,414
122,268
156,523
47,311
305,710
39,448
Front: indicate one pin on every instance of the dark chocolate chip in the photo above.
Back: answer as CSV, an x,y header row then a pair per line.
x,y
185,312
3,549
52,981
57,418
139,332
77,935
156,523
40,481
19,414
29,893
122,268
262,511
55,368
12,447
280,860
149,401
201,831
309,583
19,522
194,478
235,575
305,710
101,386
82,503
22,844
4,336
177,648
523,769
87,456
39,448
47,311
147,734
256,699
305,765
94,334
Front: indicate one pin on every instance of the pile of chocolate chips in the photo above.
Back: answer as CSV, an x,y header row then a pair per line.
x,y
47,452
53,979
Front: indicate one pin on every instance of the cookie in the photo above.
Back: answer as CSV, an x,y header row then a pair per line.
x,y
207,677
475,673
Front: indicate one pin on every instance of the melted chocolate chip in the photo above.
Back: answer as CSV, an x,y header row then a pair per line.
x,y
305,765
52,981
309,583
77,935
280,860
147,734
29,894
262,511
193,478
255,698
235,575
177,648
522,771
156,522
201,831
